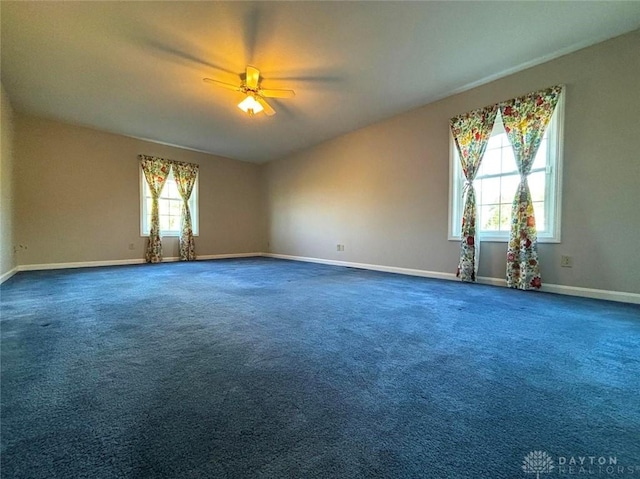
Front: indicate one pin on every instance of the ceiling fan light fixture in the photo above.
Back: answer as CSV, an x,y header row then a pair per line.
x,y
250,105
255,101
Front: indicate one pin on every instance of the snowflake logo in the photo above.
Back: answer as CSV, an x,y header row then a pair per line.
x,y
537,462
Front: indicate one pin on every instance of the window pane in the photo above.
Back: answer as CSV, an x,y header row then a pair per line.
x,y
170,207
508,160
489,191
509,185
175,208
541,221
541,156
536,185
164,223
166,190
490,217
172,191
496,140
505,217
490,163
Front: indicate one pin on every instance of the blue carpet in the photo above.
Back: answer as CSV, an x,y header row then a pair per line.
x,y
261,368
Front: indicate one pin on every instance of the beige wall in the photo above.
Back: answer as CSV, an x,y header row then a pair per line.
x,y
78,196
7,256
382,191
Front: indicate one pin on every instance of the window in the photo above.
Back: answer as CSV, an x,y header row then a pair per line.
x,y
498,178
170,207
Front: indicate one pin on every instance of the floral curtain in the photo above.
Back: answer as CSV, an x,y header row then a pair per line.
x,y
155,171
471,133
525,121
185,175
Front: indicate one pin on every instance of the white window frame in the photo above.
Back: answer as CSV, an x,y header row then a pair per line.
x,y
553,191
193,207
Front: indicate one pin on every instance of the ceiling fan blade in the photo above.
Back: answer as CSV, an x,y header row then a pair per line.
x,y
267,108
252,77
228,86
278,93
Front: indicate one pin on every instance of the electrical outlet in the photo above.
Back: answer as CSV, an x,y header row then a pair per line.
x,y
566,261
339,247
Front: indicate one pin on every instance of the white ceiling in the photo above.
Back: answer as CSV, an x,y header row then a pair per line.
x,y
136,68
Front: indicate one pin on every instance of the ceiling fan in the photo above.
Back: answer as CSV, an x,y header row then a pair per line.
x,y
251,86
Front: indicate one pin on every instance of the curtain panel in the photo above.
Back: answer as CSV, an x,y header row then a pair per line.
x,y
185,175
525,121
155,172
471,133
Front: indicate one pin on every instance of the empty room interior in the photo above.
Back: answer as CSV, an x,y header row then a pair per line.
x,y
320,239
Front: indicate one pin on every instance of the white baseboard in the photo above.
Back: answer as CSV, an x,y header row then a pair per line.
x,y
121,262
79,264
620,296
373,267
8,274
492,281
227,256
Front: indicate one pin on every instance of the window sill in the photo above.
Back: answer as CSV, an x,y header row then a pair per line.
x,y
168,235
